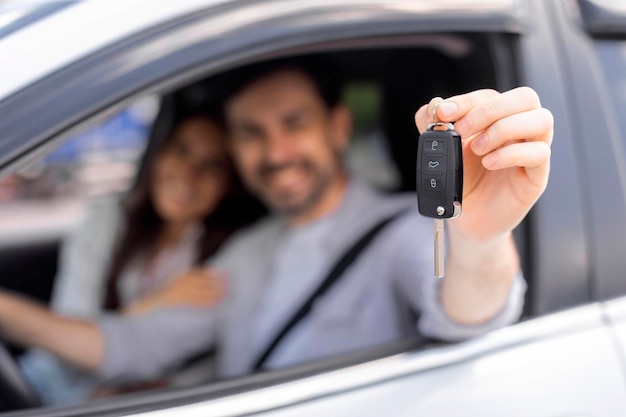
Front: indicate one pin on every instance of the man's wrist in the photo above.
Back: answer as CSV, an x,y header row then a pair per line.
x,y
479,277
475,254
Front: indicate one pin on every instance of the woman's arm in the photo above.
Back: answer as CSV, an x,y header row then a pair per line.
x,y
27,323
81,342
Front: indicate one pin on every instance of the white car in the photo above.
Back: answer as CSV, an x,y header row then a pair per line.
x,y
67,67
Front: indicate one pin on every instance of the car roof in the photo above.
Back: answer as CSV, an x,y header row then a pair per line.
x,y
603,17
53,34
19,14
39,37
82,28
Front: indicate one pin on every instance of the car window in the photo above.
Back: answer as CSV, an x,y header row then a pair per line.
x,y
382,91
99,161
44,201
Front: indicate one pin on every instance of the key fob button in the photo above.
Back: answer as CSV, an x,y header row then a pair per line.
x,y
436,182
433,163
434,145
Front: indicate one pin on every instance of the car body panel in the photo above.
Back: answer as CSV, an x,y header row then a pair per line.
x,y
76,31
559,365
16,16
555,378
615,311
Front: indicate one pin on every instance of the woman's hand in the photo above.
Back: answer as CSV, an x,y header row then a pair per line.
x,y
201,288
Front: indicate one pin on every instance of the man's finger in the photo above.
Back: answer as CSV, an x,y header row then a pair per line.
x,y
423,116
476,112
535,125
452,108
533,156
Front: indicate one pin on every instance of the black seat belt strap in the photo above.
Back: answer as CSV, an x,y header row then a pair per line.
x,y
332,278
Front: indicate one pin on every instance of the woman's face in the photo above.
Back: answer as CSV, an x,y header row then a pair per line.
x,y
191,173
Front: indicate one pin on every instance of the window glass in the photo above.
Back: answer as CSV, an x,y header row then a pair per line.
x,y
98,161
45,201
48,194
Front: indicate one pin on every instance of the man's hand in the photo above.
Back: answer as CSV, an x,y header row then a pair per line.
x,y
200,288
506,159
506,156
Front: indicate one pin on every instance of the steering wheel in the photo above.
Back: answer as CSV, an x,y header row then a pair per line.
x,y
15,391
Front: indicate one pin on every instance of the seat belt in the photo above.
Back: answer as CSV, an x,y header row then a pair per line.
x,y
331,279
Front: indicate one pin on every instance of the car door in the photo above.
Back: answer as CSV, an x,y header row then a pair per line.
x,y
562,364
599,31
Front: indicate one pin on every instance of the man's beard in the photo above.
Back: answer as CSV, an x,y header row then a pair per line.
x,y
291,205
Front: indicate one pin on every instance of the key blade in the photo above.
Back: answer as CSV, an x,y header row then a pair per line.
x,y
439,244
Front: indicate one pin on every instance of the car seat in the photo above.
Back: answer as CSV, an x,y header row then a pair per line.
x,y
409,80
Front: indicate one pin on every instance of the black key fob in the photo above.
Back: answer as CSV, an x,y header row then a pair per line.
x,y
439,172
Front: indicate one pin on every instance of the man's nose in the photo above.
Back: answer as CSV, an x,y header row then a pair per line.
x,y
278,148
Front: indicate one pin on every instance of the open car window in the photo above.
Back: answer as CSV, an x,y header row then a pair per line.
x,y
68,171
383,89
44,201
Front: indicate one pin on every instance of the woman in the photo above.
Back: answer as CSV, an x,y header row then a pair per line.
x,y
127,256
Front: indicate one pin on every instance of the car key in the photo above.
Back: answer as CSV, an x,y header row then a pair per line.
x,y
439,180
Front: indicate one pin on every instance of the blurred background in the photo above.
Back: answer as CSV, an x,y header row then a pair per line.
x,y
48,195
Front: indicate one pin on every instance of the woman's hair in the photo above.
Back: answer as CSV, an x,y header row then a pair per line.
x,y
143,223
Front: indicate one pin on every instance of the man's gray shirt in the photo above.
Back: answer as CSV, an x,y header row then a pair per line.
x,y
272,268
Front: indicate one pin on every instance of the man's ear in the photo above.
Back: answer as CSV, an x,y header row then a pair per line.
x,y
341,126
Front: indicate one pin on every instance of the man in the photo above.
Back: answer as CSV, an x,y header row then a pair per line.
x,y
288,132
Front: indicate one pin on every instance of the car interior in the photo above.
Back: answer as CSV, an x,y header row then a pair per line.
x,y
384,87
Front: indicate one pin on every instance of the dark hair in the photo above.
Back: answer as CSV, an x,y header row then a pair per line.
x,y
143,224
323,73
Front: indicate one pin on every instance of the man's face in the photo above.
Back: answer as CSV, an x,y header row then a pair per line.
x,y
286,142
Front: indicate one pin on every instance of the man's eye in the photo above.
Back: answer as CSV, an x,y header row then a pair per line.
x,y
296,123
